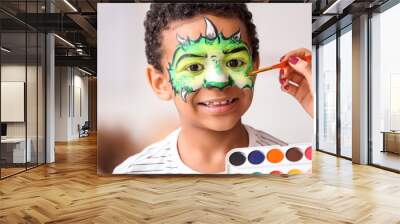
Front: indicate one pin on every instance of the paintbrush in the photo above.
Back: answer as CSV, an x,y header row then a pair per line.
x,y
279,65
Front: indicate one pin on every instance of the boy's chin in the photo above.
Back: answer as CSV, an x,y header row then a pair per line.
x,y
220,125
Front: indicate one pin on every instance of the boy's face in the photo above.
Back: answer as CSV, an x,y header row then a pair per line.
x,y
207,60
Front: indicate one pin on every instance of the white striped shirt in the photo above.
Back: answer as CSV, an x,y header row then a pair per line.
x,y
163,157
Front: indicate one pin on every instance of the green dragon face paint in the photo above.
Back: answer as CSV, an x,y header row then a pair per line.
x,y
211,61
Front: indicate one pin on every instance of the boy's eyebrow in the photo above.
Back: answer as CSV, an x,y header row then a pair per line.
x,y
189,56
235,50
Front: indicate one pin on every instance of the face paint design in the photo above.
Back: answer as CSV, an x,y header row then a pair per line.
x,y
211,61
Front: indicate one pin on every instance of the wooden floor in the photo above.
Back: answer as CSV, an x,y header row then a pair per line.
x,y
70,191
10,171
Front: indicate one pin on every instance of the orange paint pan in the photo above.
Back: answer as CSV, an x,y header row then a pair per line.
x,y
280,65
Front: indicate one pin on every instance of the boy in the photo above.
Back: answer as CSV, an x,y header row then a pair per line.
x,y
199,56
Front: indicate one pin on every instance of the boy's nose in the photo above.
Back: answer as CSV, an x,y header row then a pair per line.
x,y
216,77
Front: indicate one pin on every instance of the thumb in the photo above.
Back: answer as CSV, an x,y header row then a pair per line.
x,y
301,66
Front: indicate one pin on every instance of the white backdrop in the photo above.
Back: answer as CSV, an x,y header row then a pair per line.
x,y
12,101
126,101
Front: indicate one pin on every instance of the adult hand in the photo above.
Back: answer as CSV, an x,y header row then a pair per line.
x,y
296,78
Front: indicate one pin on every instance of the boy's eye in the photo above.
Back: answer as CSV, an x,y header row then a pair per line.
x,y
195,67
234,63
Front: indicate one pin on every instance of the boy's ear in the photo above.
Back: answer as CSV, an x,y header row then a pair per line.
x,y
159,83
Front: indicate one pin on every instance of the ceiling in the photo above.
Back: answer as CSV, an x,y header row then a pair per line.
x,y
76,22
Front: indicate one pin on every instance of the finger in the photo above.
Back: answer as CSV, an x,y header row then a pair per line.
x,y
300,52
289,88
302,92
295,77
289,73
286,71
300,66
283,76
298,92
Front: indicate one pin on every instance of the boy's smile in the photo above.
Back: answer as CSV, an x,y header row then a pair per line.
x,y
219,105
214,109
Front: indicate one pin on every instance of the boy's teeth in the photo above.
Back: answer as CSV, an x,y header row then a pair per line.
x,y
218,103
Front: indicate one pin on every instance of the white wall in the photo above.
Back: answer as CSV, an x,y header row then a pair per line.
x,y
17,73
34,125
10,73
79,117
69,84
61,103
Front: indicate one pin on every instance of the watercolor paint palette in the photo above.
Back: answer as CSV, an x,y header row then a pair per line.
x,y
291,159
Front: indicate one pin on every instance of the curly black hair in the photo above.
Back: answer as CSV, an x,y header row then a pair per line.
x,y
161,15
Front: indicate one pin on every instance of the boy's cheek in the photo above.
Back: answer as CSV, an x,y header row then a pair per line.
x,y
177,98
247,96
171,92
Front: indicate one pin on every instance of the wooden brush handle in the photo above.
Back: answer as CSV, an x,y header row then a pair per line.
x,y
280,65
